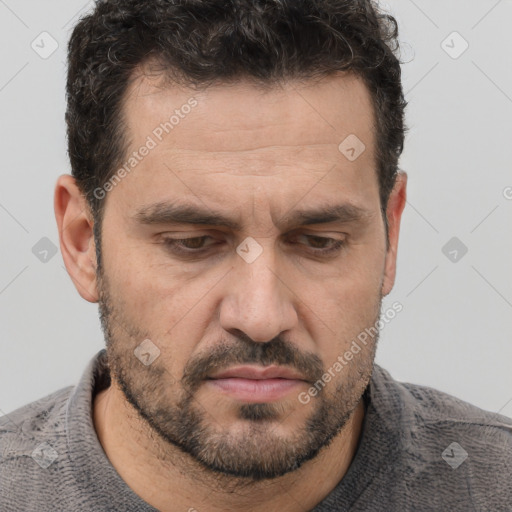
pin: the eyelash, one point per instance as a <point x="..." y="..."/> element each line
<point x="173" y="244"/>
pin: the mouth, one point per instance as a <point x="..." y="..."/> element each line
<point x="253" y="384"/>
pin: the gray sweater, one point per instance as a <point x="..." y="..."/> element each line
<point x="420" y="450"/>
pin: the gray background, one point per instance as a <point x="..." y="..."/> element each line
<point x="454" y="332"/>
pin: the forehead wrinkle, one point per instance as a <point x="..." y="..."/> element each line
<point x="251" y="162"/>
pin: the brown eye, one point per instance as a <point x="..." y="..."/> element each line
<point x="319" y="242"/>
<point x="323" y="245"/>
<point x="193" y="243"/>
<point x="186" y="245"/>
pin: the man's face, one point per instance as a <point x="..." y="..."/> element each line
<point x="270" y="290"/>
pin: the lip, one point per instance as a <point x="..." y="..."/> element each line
<point x="252" y="384"/>
<point x="258" y="373"/>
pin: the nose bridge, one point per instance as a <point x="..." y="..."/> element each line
<point x="259" y="271"/>
<point x="258" y="303"/>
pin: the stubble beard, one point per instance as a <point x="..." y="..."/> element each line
<point x="253" y="453"/>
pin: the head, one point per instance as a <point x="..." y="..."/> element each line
<point x="235" y="199"/>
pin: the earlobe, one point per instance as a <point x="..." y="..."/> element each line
<point x="395" y="207"/>
<point x="76" y="236"/>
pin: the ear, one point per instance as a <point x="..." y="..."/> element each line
<point x="394" y="209"/>
<point x="76" y="236"/>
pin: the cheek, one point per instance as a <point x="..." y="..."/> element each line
<point x="174" y="306"/>
<point x="152" y="289"/>
<point x="347" y="304"/>
<point x="348" y="308"/>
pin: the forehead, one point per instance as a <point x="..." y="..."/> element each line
<point x="265" y="147"/>
<point x="243" y="116"/>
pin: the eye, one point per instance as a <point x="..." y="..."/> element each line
<point x="319" y="245"/>
<point x="186" y="245"/>
<point x="323" y="245"/>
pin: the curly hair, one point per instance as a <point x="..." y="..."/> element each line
<point x="201" y="42"/>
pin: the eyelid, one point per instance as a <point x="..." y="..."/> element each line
<point x="173" y="245"/>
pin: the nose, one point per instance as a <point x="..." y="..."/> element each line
<point x="258" y="300"/>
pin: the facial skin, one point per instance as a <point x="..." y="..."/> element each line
<point x="256" y="157"/>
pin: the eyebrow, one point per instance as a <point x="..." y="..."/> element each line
<point x="175" y="213"/>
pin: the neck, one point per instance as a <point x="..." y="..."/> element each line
<point x="176" y="481"/>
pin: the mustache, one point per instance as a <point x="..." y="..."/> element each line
<point x="246" y="351"/>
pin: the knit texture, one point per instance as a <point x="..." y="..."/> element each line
<point x="51" y="459"/>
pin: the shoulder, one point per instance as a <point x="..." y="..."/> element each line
<point x="32" y="438"/>
<point x="437" y="430"/>
<point x="35" y="418"/>
<point x="425" y="407"/>
<point x="436" y="451"/>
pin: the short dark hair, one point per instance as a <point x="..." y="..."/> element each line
<point x="202" y="42"/>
